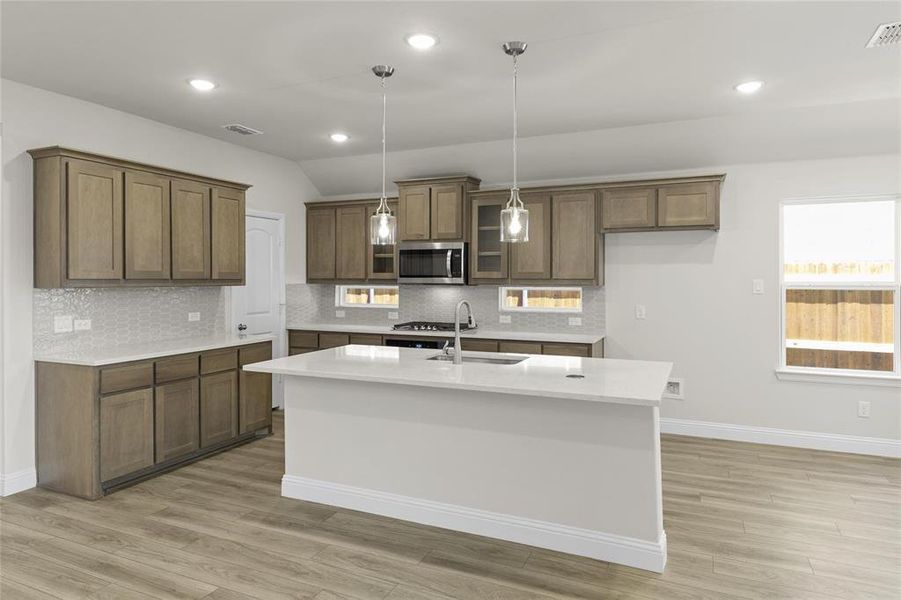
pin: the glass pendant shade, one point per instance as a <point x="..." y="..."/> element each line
<point x="382" y="228"/>
<point x="514" y="221"/>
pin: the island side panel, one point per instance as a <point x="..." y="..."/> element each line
<point x="589" y="468"/>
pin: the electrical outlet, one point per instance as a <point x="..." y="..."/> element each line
<point x="62" y="324"/>
<point x="193" y="316"/>
<point x="757" y="286"/>
<point x="339" y="314"/>
<point x="675" y="389"/>
<point x="505" y="319"/>
<point x="575" y="321"/>
<point x="863" y="409"/>
<point x="393" y="316"/>
<point x="82" y="324"/>
<point x="640" y="311"/>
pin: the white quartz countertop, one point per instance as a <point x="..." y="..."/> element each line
<point x="633" y="382"/>
<point x="580" y="337"/>
<point x="143" y="351"/>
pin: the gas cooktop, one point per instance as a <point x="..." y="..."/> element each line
<point x="429" y="326"/>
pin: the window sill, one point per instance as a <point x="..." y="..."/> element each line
<point x="824" y="376"/>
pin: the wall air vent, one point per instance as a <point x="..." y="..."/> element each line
<point x="886" y="34"/>
<point x="242" y="129"/>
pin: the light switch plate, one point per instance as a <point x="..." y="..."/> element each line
<point x="193" y="316"/>
<point x="575" y="321"/>
<point x="62" y="323"/>
<point x="505" y="319"/>
<point x="82" y="324"/>
<point x="339" y="314"/>
<point x="757" y="286"/>
<point x="393" y="316"/>
<point x="640" y="311"/>
<point x="863" y="409"/>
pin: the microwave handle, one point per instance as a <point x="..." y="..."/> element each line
<point x="450" y="254"/>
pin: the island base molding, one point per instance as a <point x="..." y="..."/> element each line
<point x="552" y="536"/>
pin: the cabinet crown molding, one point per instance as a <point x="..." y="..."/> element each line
<point x="463" y="178"/>
<point x="603" y="185"/>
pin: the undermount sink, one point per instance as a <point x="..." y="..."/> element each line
<point x="503" y="359"/>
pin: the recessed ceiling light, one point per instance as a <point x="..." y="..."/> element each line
<point x="749" y="87"/>
<point x="422" y="41"/>
<point x="203" y="85"/>
<point x="339" y="137"/>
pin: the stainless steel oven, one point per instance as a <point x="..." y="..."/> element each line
<point x="432" y="262"/>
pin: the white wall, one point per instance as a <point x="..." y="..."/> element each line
<point x="33" y="118"/>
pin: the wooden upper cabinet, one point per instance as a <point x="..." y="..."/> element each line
<point x="629" y="208"/>
<point x="414" y="213"/>
<point x="227" y="234"/>
<point x="103" y="221"/>
<point x="688" y="205"/>
<point x="146" y="226"/>
<point x="532" y="259"/>
<point x="321" y="243"/>
<point x="350" y="242"/>
<point x="190" y="230"/>
<point x="447" y="212"/>
<point x="574" y="235"/>
<point x="126" y="433"/>
<point x="488" y="255"/>
<point x="94" y="221"/>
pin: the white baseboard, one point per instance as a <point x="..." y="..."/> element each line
<point x="583" y="542"/>
<point x="783" y="437"/>
<point x="13" y="483"/>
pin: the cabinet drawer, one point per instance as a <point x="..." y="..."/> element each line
<point x="126" y="377"/>
<point x="254" y="353"/>
<point x="220" y="360"/>
<point x="333" y="340"/>
<point x="567" y="350"/>
<point x="292" y="351"/>
<point x="303" y="339"/>
<point x="366" y="339"/>
<point x="178" y="367"/>
<point x="521" y="347"/>
<point x="479" y="345"/>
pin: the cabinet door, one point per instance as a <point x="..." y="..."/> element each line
<point x="255" y="398"/>
<point x="489" y="256"/>
<point x="574" y="233"/>
<point x="321" y="243"/>
<point x="227" y="234"/>
<point x="629" y="208"/>
<point x="521" y="347"/>
<point x="532" y="259"/>
<point x="382" y="258"/>
<point x="190" y="230"/>
<point x="447" y="212"/>
<point x="414" y="213"/>
<point x="177" y="419"/>
<point x="350" y="242"/>
<point x="218" y="408"/>
<point x="146" y="226"/>
<point x="567" y="350"/>
<point x="688" y="205"/>
<point x="126" y="433"/>
<point x="94" y="221"/>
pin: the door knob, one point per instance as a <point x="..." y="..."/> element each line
<point x="241" y="326"/>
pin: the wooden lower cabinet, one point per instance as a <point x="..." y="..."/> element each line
<point x="255" y="396"/>
<point x="177" y="419"/>
<point x="479" y="345"/>
<point x="566" y="349"/>
<point x="126" y="433"/>
<point x="520" y="347"/>
<point x="218" y="408"/>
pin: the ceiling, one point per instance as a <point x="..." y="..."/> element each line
<point x="299" y="71"/>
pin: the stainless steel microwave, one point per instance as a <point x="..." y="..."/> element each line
<point x="432" y="262"/>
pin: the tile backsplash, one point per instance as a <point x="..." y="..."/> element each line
<point x="123" y="316"/>
<point x="315" y="303"/>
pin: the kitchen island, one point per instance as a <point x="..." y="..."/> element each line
<point x="551" y="451"/>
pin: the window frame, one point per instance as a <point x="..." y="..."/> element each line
<point x="852" y="376"/>
<point x="340" y="293"/>
<point x="502" y="293"/>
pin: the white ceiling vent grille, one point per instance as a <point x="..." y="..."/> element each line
<point x="242" y="129"/>
<point x="886" y="35"/>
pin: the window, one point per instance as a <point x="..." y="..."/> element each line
<point x="367" y="296"/>
<point x="840" y="286"/>
<point x="540" y="299"/>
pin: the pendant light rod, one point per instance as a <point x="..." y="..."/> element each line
<point x="383" y="72"/>
<point x="514" y="49"/>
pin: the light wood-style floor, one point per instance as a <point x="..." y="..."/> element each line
<point x="744" y="522"/>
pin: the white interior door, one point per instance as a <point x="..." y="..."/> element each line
<point x="258" y="306"/>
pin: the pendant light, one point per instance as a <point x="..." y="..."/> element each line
<point x="514" y="217"/>
<point x="383" y="225"/>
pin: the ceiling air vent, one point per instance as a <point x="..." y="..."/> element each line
<point x="242" y="129"/>
<point x="886" y="35"/>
